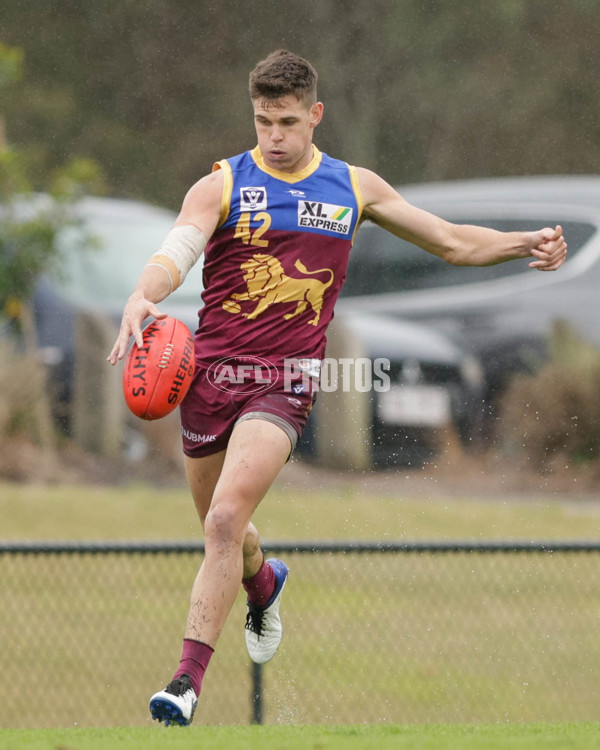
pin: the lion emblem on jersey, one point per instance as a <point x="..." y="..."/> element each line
<point x="268" y="284"/>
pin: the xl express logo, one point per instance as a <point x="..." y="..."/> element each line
<point x="324" y="216"/>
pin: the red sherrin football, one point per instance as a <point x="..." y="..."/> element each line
<point x="158" y="375"/>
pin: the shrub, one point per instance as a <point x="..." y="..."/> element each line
<point x="21" y="388"/>
<point x="552" y="419"/>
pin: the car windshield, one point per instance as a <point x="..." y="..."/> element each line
<point x="381" y="263"/>
<point x="123" y="237"/>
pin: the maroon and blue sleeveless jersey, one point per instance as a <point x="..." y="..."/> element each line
<point x="275" y="264"/>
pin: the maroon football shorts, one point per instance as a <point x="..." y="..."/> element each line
<point x="210" y="412"/>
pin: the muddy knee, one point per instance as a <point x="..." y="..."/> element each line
<point x="251" y="545"/>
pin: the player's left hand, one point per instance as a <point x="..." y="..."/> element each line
<point x="549" y="248"/>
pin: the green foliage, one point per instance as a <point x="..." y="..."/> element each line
<point x="414" y="89"/>
<point x="29" y="228"/>
<point x="80" y="176"/>
<point x="551" y="420"/>
<point x="11" y="64"/>
<point x="12" y="176"/>
<point x="30" y="224"/>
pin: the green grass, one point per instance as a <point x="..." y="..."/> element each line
<point x="291" y="511"/>
<point x="443" y="623"/>
<point x="411" y="638"/>
<point x="585" y="736"/>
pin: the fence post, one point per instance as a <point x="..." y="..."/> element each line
<point x="257" y="694"/>
<point x="343" y="416"/>
<point x="98" y="412"/>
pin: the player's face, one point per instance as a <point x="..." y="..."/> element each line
<point x="285" y="131"/>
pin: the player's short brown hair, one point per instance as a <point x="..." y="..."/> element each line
<point x="283" y="73"/>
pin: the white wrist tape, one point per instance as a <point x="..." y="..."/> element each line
<point x="179" y="252"/>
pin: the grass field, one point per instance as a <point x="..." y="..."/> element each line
<point x="292" y="510"/>
<point x="507" y="601"/>
<point x="584" y="736"/>
<point x="380" y="639"/>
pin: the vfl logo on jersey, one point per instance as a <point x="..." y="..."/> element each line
<point x="253" y="199"/>
<point x="324" y="216"/>
<point x="268" y="284"/>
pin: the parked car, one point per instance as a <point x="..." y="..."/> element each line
<point x="98" y="279"/>
<point x="406" y="386"/>
<point x="503" y="313"/>
<point x="432" y="380"/>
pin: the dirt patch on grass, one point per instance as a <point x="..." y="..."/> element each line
<point x="481" y="476"/>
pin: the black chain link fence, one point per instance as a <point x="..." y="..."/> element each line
<point x="372" y="633"/>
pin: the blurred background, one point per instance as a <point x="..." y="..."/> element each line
<point x="107" y="103"/>
<point x="110" y="111"/>
<point x="156" y="91"/>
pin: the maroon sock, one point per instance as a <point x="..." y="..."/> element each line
<point x="194" y="661"/>
<point x="261" y="586"/>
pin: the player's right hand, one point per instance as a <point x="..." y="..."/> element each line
<point x="136" y="310"/>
